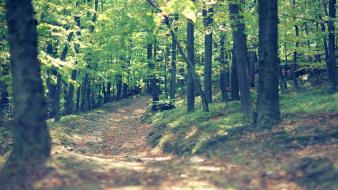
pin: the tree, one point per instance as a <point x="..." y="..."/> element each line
<point x="240" y="47"/>
<point x="31" y="140"/>
<point x="331" y="64"/>
<point x="191" y="57"/>
<point x="207" y="20"/>
<point x="268" y="111"/>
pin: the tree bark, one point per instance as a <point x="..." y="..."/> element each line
<point x="207" y="21"/>
<point x="31" y="140"/>
<point x="224" y="72"/>
<point x="234" y="78"/>
<point x="240" y="46"/>
<point x="295" y="54"/>
<point x="331" y="66"/>
<point x="268" y="108"/>
<point x="191" y="57"/>
<point x="173" y="68"/>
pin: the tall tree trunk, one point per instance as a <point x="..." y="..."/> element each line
<point x="295" y="54"/>
<point x="167" y="60"/>
<point x="268" y="108"/>
<point x="69" y="102"/>
<point x="31" y="140"/>
<point x="59" y="80"/>
<point x="4" y="95"/>
<point x="234" y="78"/>
<point x="155" y="81"/>
<point x="173" y="66"/>
<point x="252" y="67"/>
<point x="191" y="57"/>
<point x="224" y="72"/>
<point x="331" y="66"/>
<point x="207" y="20"/>
<point x="119" y="87"/>
<point x="241" y="55"/>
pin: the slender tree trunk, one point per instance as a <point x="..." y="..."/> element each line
<point x="4" y="94"/>
<point x="331" y="66"/>
<point x="155" y="81"/>
<point x="119" y="87"/>
<point x="240" y="47"/>
<point x="191" y="57"/>
<point x="78" y="94"/>
<point x="59" y="80"/>
<point x="295" y="54"/>
<point x="167" y="60"/>
<point x="31" y="140"/>
<point x="224" y="73"/>
<point x="252" y="67"/>
<point x="173" y="67"/>
<point x="268" y="108"/>
<point x="108" y="96"/>
<point x="69" y="102"/>
<point x="207" y="20"/>
<point x="234" y="78"/>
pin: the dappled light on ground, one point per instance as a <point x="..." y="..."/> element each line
<point x="112" y="148"/>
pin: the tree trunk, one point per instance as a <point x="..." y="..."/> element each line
<point x="224" y="73"/>
<point x="234" y="78"/>
<point x="331" y="66"/>
<point x="268" y="108"/>
<point x="173" y="68"/>
<point x="31" y="140"/>
<point x="207" y="20"/>
<point x="241" y="55"/>
<point x="191" y="57"/>
<point x="119" y="87"/>
<point x="252" y="67"/>
<point x="295" y="54"/>
<point x="69" y="102"/>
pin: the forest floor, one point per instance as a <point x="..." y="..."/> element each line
<point x="110" y="149"/>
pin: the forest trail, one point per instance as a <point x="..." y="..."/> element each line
<point x="116" y="155"/>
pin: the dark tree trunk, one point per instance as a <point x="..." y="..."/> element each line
<point x="234" y="78"/>
<point x="31" y="140"/>
<point x="167" y="60"/>
<point x="326" y="51"/>
<point x="118" y="87"/>
<point x="84" y="86"/>
<point x="69" y="102"/>
<point x="78" y="94"/>
<point x="331" y="64"/>
<point x="173" y="68"/>
<point x="224" y="72"/>
<point x="207" y="20"/>
<point x="241" y="55"/>
<point x="268" y="108"/>
<point x="295" y="54"/>
<point x="252" y="67"/>
<point x="4" y="94"/>
<point x="59" y="81"/>
<point x="108" y="95"/>
<point x="191" y="57"/>
<point x="155" y="81"/>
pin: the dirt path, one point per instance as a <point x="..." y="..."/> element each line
<point x="115" y="155"/>
<point x="107" y="149"/>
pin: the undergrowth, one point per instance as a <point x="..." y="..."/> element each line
<point x="185" y="133"/>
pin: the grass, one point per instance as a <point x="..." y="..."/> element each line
<point x="189" y="133"/>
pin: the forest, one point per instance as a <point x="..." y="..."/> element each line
<point x="168" y="95"/>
